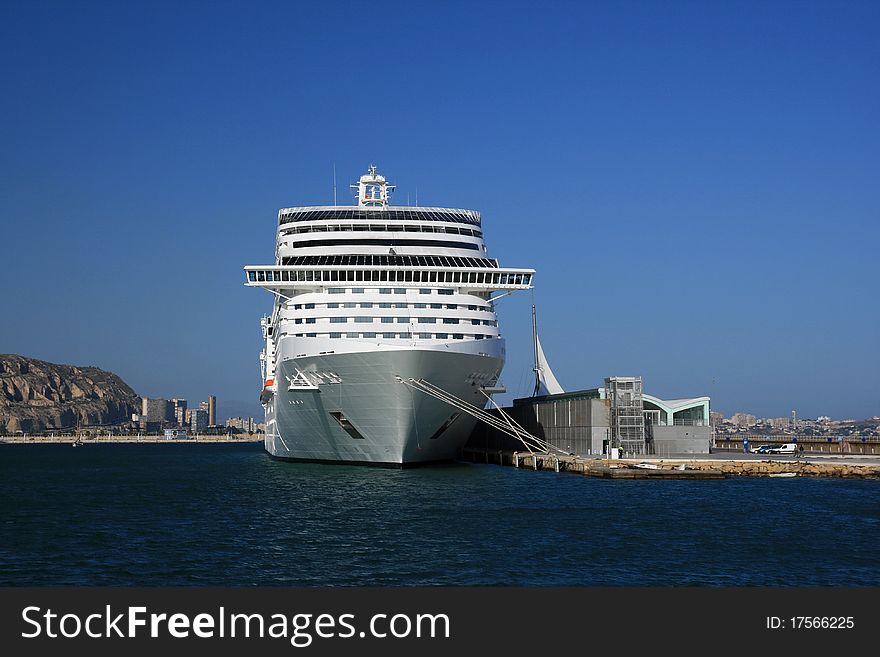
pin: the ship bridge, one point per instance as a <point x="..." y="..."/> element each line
<point x="309" y="277"/>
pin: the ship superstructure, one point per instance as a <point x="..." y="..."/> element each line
<point x="366" y="296"/>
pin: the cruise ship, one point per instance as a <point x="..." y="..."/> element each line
<point x="368" y="297"/>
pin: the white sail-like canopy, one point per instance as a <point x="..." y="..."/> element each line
<point x="548" y="383"/>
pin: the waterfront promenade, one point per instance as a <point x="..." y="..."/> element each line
<point x="850" y="444"/>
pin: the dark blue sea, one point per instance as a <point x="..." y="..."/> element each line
<point x="179" y="514"/>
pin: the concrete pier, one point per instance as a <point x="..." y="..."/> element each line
<point x="705" y="467"/>
<point x="590" y="467"/>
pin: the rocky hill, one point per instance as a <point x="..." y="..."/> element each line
<point x="36" y="396"/>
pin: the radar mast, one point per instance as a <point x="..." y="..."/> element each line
<point x="373" y="190"/>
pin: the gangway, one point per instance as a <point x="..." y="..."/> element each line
<point x="505" y="423"/>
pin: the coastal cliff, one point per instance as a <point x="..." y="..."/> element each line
<point x="36" y="396"/>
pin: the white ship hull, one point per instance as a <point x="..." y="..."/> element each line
<point x="383" y="421"/>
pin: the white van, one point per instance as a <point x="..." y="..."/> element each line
<point x="787" y="448"/>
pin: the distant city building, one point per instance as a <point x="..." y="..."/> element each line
<point x="198" y="420"/>
<point x="156" y="410"/>
<point x="212" y="411"/>
<point x="179" y="408"/>
<point x="244" y="425"/>
<point x="716" y="418"/>
<point x="823" y="418"/>
<point x="744" y="420"/>
<point x="780" y="422"/>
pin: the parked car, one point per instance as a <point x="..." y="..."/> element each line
<point x="764" y="449"/>
<point x="787" y="448"/>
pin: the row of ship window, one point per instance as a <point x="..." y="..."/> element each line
<point x="383" y="228"/>
<point x="383" y="260"/>
<point x="436" y="306"/>
<point x="397" y="336"/>
<point x="458" y="217"/>
<point x="399" y="320"/>
<point x="393" y="276"/>
<point x="372" y="241"/>
<point x="386" y="290"/>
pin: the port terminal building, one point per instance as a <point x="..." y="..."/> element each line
<point x="618" y="415"/>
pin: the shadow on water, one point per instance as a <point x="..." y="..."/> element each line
<point x="230" y="515"/>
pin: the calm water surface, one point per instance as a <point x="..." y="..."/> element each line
<point x="229" y="515"/>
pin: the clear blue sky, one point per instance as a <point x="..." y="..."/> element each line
<point x="695" y="182"/>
